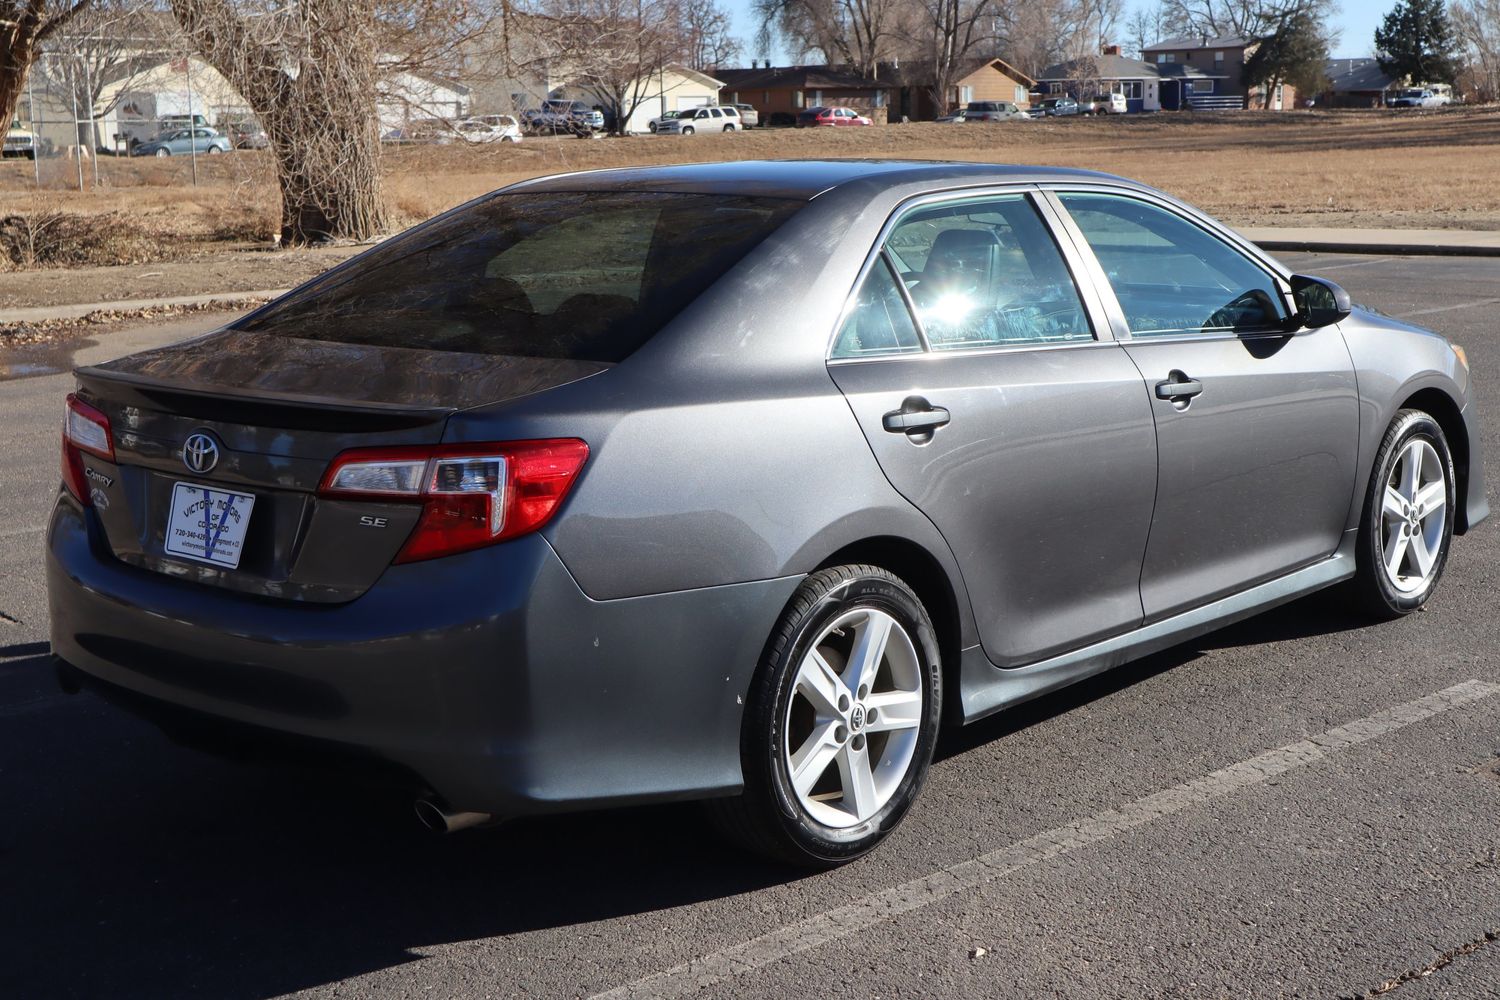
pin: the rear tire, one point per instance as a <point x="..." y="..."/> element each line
<point x="1406" y="527"/>
<point x="840" y="723"/>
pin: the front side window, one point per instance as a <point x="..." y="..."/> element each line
<point x="987" y="273"/>
<point x="1172" y="277"/>
<point x="577" y="275"/>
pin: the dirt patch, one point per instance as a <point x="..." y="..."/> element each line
<point x="1330" y="169"/>
<point x="221" y="271"/>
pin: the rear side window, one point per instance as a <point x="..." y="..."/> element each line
<point x="586" y="276"/>
<point x="879" y="323"/>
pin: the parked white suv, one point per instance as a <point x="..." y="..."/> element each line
<point x="709" y="119"/>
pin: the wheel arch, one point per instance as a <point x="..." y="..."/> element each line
<point x="1445" y="410"/>
<point x="925" y="574"/>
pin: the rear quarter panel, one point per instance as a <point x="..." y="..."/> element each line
<point x="722" y="452"/>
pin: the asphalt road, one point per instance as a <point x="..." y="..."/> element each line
<point x="1302" y="805"/>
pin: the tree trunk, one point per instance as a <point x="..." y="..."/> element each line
<point x="311" y="79"/>
<point x="17" y="52"/>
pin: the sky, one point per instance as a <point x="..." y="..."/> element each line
<point x="1355" y="22"/>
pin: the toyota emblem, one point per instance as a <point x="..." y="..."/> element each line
<point x="200" y="453"/>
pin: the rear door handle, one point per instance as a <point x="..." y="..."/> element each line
<point x="1178" y="388"/>
<point x="916" y="416"/>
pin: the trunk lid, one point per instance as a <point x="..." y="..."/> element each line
<point x="277" y="410"/>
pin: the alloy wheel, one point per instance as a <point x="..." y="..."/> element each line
<point x="1413" y="514"/>
<point x="853" y="717"/>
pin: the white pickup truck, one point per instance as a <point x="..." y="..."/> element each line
<point x="20" y="141"/>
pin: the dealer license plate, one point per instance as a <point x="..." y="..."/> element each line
<point x="208" y="525"/>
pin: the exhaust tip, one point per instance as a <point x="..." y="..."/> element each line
<point x="437" y="817"/>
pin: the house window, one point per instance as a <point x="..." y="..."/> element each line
<point x="1133" y="90"/>
<point x="1203" y="86"/>
<point x="1021" y="95"/>
<point x="1166" y="57"/>
<point x="965" y="95"/>
<point x="1219" y="58"/>
<point x="799" y="100"/>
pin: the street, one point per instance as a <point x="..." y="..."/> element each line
<point x="1302" y="805"/>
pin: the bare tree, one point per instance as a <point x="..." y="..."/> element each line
<point x="854" y="33"/>
<point x="103" y="50"/>
<point x="1145" y="27"/>
<point x="1477" y="25"/>
<point x="1043" y="33"/>
<point x="308" y="69"/>
<point x="706" y="40"/>
<point x="613" y="50"/>
<point x="24" y="26"/>
<point x="1244" y="18"/>
<point x="953" y="30"/>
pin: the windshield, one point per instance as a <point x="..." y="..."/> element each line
<point x="586" y="275"/>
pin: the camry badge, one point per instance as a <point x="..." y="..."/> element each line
<point x="200" y="453"/>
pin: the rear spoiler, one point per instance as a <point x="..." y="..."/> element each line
<point x="258" y="407"/>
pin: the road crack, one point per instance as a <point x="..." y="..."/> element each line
<point x="1445" y="959"/>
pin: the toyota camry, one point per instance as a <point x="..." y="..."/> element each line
<point x="736" y="482"/>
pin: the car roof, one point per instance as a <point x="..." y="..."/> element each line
<point x="801" y="179"/>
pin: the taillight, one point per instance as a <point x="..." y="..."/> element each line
<point x="85" y="429"/>
<point x="472" y="495"/>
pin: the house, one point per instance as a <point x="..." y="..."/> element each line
<point x="1356" y="83"/>
<point x="785" y="90"/>
<point x="1107" y="73"/>
<point x="978" y="80"/>
<point x="1205" y="73"/>
<point x="674" y="87"/>
<point x="404" y="96"/>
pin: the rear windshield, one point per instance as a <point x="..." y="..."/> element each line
<point x="585" y="276"/>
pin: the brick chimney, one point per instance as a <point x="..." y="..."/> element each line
<point x="1110" y="50"/>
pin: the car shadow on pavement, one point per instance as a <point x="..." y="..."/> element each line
<point x="136" y="868"/>
<point x="1323" y="613"/>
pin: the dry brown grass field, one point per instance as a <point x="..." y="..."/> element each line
<point x="1329" y="169"/>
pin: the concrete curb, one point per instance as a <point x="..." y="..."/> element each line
<point x="1381" y="242"/>
<point x="36" y="314"/>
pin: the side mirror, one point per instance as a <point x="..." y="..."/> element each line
<point x="1320" y="302"/>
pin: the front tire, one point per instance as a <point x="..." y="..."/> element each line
<point x="841" y="721"/>
<point x="163" y="152"/>
<point x="687" y="130"/>
<point x="1407" y="525"/>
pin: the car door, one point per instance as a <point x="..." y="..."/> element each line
<point x="969" y="357"/>
<point x="1257" y="427"/>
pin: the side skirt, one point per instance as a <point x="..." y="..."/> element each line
<point x="986" y="688"/>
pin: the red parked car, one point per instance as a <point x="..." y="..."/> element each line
<point x="830" y="116"/>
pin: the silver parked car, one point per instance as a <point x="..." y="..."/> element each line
<point x="550" y="505"/>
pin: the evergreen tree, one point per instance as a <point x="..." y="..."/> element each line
<point x="1296" y="52"/>
<point x="1416" y="41"/>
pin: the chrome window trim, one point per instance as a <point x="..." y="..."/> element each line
<point x="933" y="356"/>
<point x="1277" y="272"/>
<point x="1089" y="296"/>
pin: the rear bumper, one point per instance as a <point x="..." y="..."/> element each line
<point x="489" y="675"/>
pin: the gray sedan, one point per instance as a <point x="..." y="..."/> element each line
<point x="737" y="481"/>
<point x="185" y="142"/>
